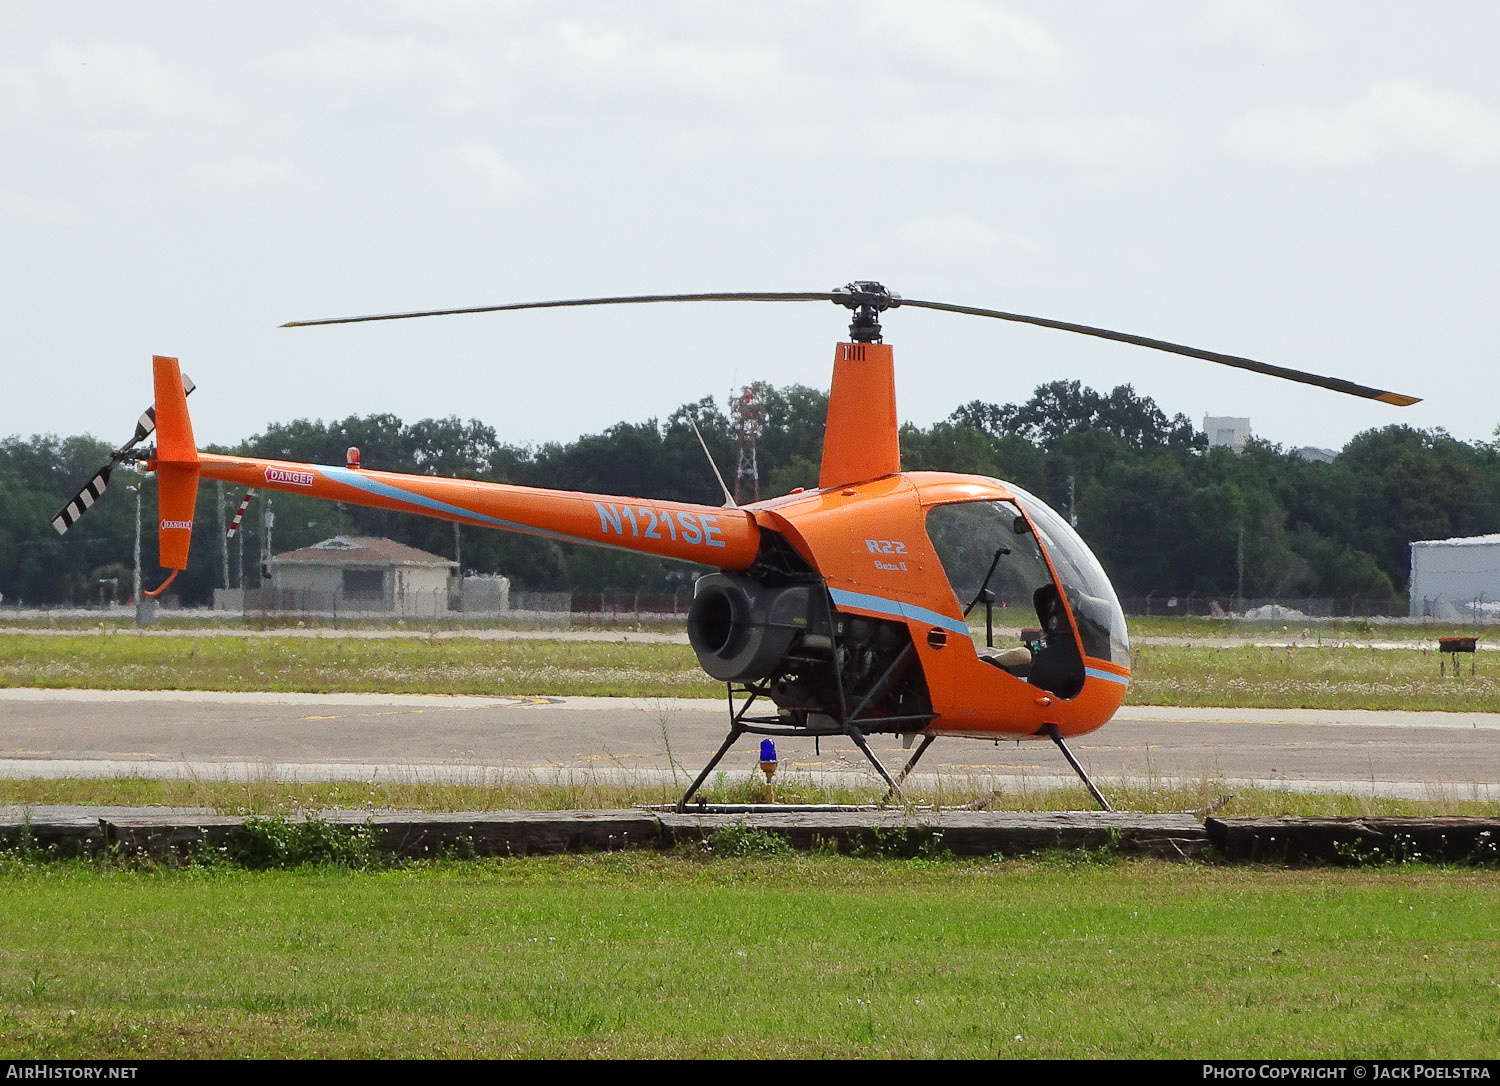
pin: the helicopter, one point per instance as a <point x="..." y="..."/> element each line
<point x="837" y="610"/>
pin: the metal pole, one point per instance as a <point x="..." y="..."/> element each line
<point x="223" y="539"/>
<point x="136" y="593"/>
<point x="1239" y="566"/>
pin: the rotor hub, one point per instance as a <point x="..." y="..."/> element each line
<point x="868" y="300"/>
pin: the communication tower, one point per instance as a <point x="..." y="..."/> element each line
<point x="747" y="410"/>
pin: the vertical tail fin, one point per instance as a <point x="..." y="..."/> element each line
<point x="176" y="465"/>
<point x="861" y="440"/>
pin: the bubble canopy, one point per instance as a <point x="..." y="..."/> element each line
<point x="976" y="540"/>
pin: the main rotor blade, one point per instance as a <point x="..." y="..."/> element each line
<point x="1335" y="383"/>
<point x="821" y="296"/>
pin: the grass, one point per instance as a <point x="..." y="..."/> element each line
<point x="411" y="665"/>
<point x="1328" y="677"/>
<point x="1307" y="630"/>
<point x="268" y="797"/>
<point x="1347" y="677"/>
<point x="645" y="955"/>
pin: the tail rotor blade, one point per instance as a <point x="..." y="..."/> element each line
<point x="145" y="426"/>
<point x="83" y="501"/>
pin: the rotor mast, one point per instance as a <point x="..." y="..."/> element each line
<point x="861" y="439"/>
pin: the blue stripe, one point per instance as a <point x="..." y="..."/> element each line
<point x="898" y="609"/>
<point x="360" y="481"/>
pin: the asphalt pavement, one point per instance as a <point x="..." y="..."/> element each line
<point x="62" y="733"/>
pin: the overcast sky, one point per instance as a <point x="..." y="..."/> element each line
<point x="1314" y="185"/>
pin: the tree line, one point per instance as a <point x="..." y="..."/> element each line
<point x="1163" y="511"/>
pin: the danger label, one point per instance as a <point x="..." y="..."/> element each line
<point x="285" y="475"/>
<point x="169" y="524"/>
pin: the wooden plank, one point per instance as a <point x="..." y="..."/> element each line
<point x="1356" y="840"/>
<point x="963" y="833"/>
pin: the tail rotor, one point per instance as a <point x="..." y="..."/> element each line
<point x="92" y="490"/>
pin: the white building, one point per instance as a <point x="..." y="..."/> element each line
<point x="362" y="573"/>
<point x="1455" y="578"/>
<point x="1224" y="430"/>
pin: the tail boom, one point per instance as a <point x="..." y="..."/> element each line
<point x="710" y="535"/>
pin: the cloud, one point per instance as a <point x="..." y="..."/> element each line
<point x="962" y="237"/>
<point x="498" y="176"/>
<point x="20" y="96"/>
<point x="951" y="136"/>
<point x="1395" y="119"/>
<point x="623" y="60"/>
<point x="966" y="37"/>
<point x="36" y="210"/>
<point x="239" y="174"/>
<point x="350" y="69"/>
<point x="121" y="83"/>
<point x="1262" y="26"/>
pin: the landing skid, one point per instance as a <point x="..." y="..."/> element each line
<point x="1051" y="732"/>
<point x="740" y="723"/>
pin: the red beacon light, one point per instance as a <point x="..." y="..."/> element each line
<point x="351" y="458"/>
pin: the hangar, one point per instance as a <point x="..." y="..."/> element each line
<point x="1455" y="578"/>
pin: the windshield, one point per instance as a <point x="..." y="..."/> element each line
<point x="1101" y="623"/>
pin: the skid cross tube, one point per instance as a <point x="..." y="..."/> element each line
<point x="1051" y="732"/>
<point x="927" y="741"/>
<point x="859" y="740"/>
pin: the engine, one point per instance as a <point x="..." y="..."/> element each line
<point x="786" y="642"/>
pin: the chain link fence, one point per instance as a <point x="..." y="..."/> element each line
<point x="1475" y="610"/>
<point x="1264" y="607"/>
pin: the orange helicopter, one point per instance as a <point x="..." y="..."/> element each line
<point x="841" y="610"/>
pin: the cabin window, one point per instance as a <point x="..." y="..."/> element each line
<point x="972" y="537"/>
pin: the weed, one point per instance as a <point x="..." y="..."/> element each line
<point x="1358" y="854"/>
<point x="903" y="842"/>
<point x="1486" y="851"/>
<point x="1104" y="854"/>
<point x="663" y="718"/>
<point x="327" y="1017"/>
<point x="741" y="839"/>
<point x="280" y="842"/>
<point x="36" y="985"/>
